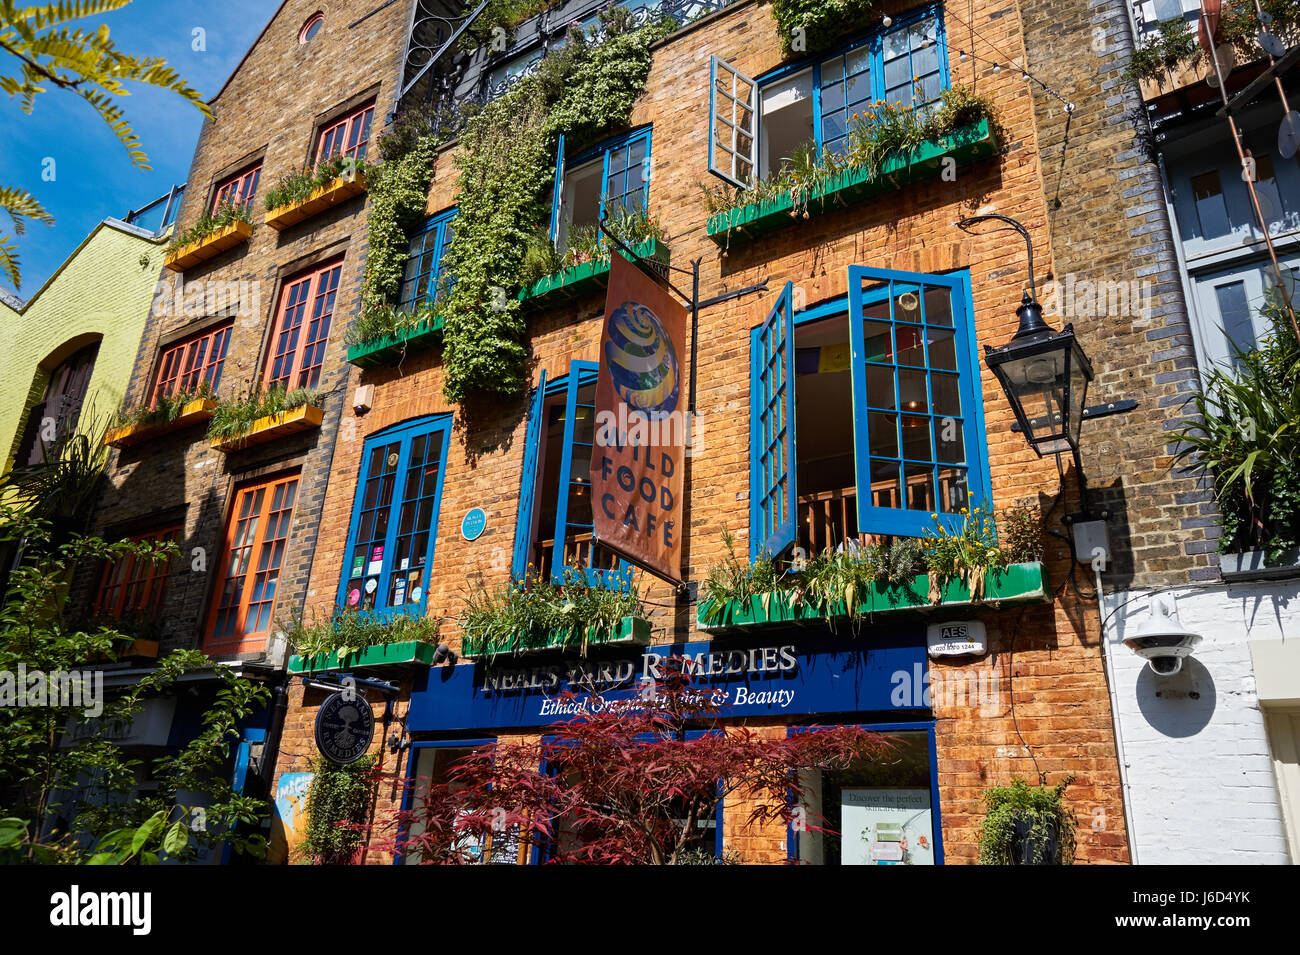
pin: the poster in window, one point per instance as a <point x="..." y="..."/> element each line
<point x="641" y="423"/>
<point x="886" y="827"/>
<point x="376" y="560"/>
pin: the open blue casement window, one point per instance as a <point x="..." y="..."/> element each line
<point x="773" y="495"/>
<point x="816" y="101"/>
<point x="395" y="518"/>
<point x="554" y="538"/>
<point x="424" y="261"/>
<point x="883" y="412"/>
<point x="918" y="417"/>
<point x="611" y="177"/>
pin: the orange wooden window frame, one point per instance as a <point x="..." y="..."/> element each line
<point x="131" y="584"/>
<point x="252" y="555"/>
<point x="346" y="136"/>
<point x="296" y="353"/>
<point x="237" y="190"/>
<point x="192" y="360"/>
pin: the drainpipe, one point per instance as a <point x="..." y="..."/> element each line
<point x="1120" y="753"/>
<point x="274" y="729"/>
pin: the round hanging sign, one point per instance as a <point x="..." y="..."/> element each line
<point x="473" y="524"/>
<point x="345" y="728"/>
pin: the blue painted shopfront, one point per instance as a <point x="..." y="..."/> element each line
<point x="880" y="672"/>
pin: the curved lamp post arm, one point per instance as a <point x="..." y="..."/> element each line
<point x="966" y="223"/>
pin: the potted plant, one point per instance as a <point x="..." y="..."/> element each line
<point x="1027" y="825"/>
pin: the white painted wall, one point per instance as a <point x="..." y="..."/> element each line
<point x="1195" y="746"/>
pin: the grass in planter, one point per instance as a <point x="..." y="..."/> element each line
<point x="836" y="582"/>
<point x="168" y="408"/>
<point x="209" y="223"/>
<point x="586" y="243"/>
<point x="296" y="186"/>
<point x="234" y="419"/>
<point x="734" y="579"/>
<point x="515" y="616"/>
<point x="1020" y="534"/>
<point x="380" y="321"/>
<point x="347" y="631"/>
<point x="879" y="133"/>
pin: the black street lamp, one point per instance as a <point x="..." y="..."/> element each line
<point x="1044" y="373"/>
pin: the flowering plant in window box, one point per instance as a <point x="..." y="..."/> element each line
<point x="227" y="227"/>
<point x="585" y="258"/>
<point x="134" y="425"/>
<point x="300" y="195"/>
<point x="265" y="415"/>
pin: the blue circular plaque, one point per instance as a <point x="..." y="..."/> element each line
<point x="345" y="728"/>
<point x="473" y="524"/>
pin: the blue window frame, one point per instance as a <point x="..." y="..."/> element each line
<point x="907" y="357"/>
<point x="394" y="523"/>
<point x="815" y="101"/>
<point x="424" y="261"/>
<point x="609" y="177"/>
<point x="797" y="847"/>
<point x="773" y="501"/>
<point x="554" y="537"/>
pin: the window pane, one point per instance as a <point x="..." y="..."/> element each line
<point x="1211" y="212"/>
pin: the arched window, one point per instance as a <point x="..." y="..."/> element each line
<point x="311" y="28"/>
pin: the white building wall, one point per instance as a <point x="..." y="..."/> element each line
<point x="1201" y="788"/>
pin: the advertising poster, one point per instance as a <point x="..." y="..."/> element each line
<point x="886" y="827"/>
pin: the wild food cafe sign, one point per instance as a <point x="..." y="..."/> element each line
<point x="774" y="679"/>
<point x="641" y="427"/>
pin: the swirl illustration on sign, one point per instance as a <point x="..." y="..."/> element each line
<point x="641" y="360"/>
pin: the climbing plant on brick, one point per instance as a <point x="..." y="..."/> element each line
<point x="506" y="164"/>
<point x="810" y="25"/>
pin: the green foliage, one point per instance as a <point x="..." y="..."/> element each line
<point x="1243" y="432"/>
<point x="209" y="223"/>
<point x="809" y="26"/>
<point x="398" y="193"/>
<point x="168" y="408"/>
<point x="63" y="488"/>
<point x="836" y="582"/>
<point x="1043" y="810"/>
<point x="1020" y="532"/>
<point x="515" y="616"/>
<point x="734" y="579"/>
<point x="87" y="64"/>
<point x="1163" y="52"/>
<point x="586" y="243"/>
<point x="506" y="165"/>
<point x="34" y="740"/>
<point x="337" y="800"/>
<point x="234" y="419"/>
<point x="380" y="321"/>
<point x="347" y="631"/>
<point x="879" y="133"/>
<point x="294" y="187"/>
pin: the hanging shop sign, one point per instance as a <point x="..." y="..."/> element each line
<point x="781" y="678"/>
<point x="345" y="727"/>
<point x="637" y="464"/>
<point x="956" y="638"/>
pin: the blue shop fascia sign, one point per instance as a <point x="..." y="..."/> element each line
<point x="884" y="674"/>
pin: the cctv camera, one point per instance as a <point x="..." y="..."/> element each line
<point x="1161" y="639"/>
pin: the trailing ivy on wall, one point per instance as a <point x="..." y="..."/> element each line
<point x="397" y="199"/>
<point x="808" y="26"/>
<point x="338" y="794"/>
<point x="506" y="164"/>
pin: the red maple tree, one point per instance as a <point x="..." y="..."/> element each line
<point x="626" y="781"/>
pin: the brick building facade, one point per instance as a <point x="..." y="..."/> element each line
<point x="241" y="317"/>
<point x="1052" y="713"/>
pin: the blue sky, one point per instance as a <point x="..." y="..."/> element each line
<point x="94" y="177"/>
